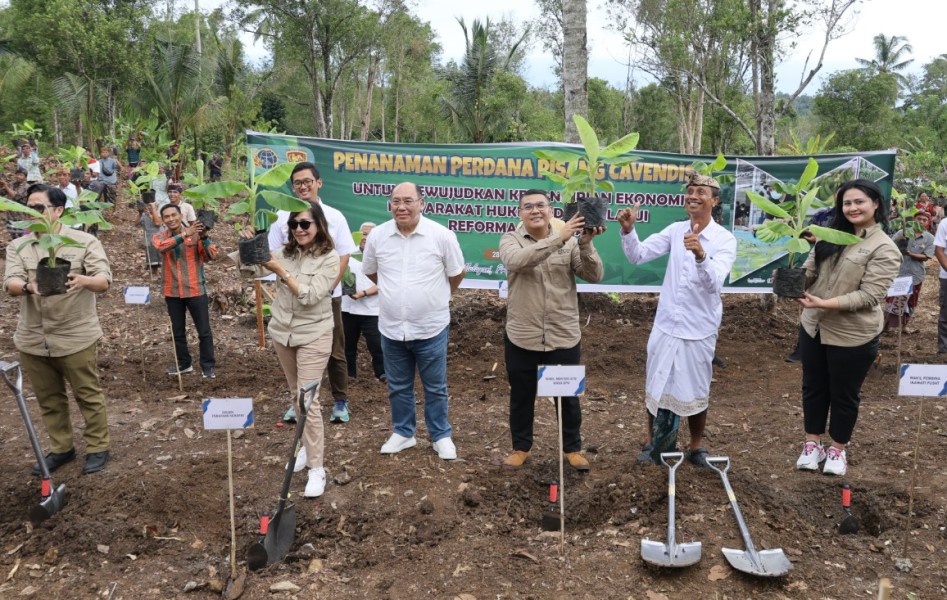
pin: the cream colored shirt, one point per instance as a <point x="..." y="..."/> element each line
<point x="301" y="319"/>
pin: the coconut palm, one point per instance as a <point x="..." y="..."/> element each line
<point x="889" y="52"/>
<point x="177" y="87"/>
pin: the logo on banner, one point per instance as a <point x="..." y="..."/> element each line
<point x="296" y="155"/>
<point x="266" y="158"/>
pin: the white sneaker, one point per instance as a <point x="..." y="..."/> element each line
<point x="396" y="443"/>
<point x="835" y="462"/>
<point x="445" y="449"/>
<point x="301" y="459"/>
<point x="812" y="456"/>
<point x="316" y="486"/>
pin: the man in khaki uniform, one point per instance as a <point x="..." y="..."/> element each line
<point x="57" y="335"/>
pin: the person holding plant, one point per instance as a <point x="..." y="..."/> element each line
<point x="28" y="160"/>
<point x="360" y="315"/>
<point x="57" y="336"/>
<point x="417" y="265"/>
<point x="918" y="250"/>
<point x="542" y="316"/>
<point x="188" y="214"/>
<point x="108" y="173"/>
<point x="301" y="323"/>
<point x="307" y="182"/>
<point x="184" y="250"/>
<point x="684" y="336"/>
<point x="842" y="321"/>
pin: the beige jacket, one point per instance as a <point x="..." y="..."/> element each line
<point x="859" y="279"/>
<point x="542" y="311"/>
<point x="60" y="325"/>
<point x="301" y="319"/>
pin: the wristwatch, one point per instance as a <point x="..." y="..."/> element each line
<point x="26" y="289"/>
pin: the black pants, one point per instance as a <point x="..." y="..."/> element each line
<point x="832" y="378"/>
<point x="521" y="366"/>
<point x="367" y="325"/>
<point x="198" y="307"/>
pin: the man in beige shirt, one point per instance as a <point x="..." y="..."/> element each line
<point x="57" y="335"/>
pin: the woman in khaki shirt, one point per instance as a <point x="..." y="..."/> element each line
<point x="842" y="321"/>
<point x="301" y="323"/>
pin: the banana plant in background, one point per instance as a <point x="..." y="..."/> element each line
<point x="259" y="203"/>
<point x="787" y="230"/>
<point x="74" y="158"/>
<point x="27" y="129"/>
<point x="581" y="181"/>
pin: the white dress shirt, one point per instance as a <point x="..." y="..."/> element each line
<point x="690" y="307"/>
<point x="338" y="229"/>
<point x="940" y="239"/>
<point x="413" y="272"/>
<point x="366" y="305"/>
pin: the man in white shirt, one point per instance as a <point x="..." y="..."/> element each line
<point x="188" y="215"/>
<point x="684" y="335"/>
<point x="940" y="243"/>
<point x="360" y="315"/>
<point x="306" y="182"/>
<point x="417" y="265"/>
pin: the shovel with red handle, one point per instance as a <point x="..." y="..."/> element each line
<point x="53" y="498"/>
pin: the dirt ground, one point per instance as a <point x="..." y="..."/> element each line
<point x="155" y="523"/>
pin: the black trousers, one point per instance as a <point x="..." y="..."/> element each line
<point x="832" y="378"/>
<point x="358" y="325"/>
<point x="521" y="367"/>
<point x="198" y="307"/>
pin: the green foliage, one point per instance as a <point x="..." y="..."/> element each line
<point x="348" y="278"/>
<point x="582" y="171"/>
<point x="791" y="217"/>
<point x="813" y="145"/>
<point x="24" y="130"/>
<point x="860" y="108"/>
<point x="257" y="200"/>
<point x="903" y="215"/>
<point x="73" y="157"/>
<point x="45" y="228"/>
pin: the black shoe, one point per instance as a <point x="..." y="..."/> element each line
<point x="698" y="457"/>
<point x="794" y="358"/>
<point x="55" y="460"/>
<point x="383" y="378"/>
<point x="173" y="371"/>
<point x="718" y="363"/>
<point x="646" y="458"/>
<point x="209" y="373"/>
<point x="95" y="462"/>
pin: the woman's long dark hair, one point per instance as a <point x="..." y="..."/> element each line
<point x="823" y="249"/>
<point x="323" y="241"/>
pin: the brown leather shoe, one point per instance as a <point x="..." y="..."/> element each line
<point x="515" y="460"/>
<point x="577" y="461"/>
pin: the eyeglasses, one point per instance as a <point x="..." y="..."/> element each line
<point x="303" y="183"/>
<point x="531" y="206"/>
<point x="39" y="207"/>
<point x="396" y="202"/>
<point x="294" y="224"/>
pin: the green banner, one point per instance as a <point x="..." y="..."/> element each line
<point x="474" y="190"/>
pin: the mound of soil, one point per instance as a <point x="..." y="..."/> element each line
<point x="155" y="524"/>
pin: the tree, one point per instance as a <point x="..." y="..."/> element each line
<point x="859" y="107"/>
<point x="471" y="83"/>
<point x="888" y="54"/>
<point x="549" y="30"/>
<point x="575" y="65"/>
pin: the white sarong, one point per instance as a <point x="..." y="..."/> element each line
<point x="679" y="373"/>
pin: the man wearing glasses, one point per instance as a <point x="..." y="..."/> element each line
<point x="417" y="265"/>
<point x="306" y="183"/>
<point x="542" y="316"/>
<point x="57" y="335"/>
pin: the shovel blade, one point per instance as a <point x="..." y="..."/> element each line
<point x="279" y="537"/>
<point x="848" y="525"/>
<point x="678" y="555"/>
<point x="256" y="556"/>
<point x="767" y="563"/>
<point x="49" y="506"/>
<point x="551" y="521"/>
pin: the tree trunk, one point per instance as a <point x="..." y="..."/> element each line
<point x="575" y="65"/>
<point x="369" y="92"/>
<point x="766" y="141"/>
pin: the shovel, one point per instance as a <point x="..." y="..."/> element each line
<point x="766" y="563"/>
<point x="54" y="499"/>
<point x="670" y="554"/>
<point x="277" y="532"/>
<point x="552" y="520"/>
<point x="849" y="524"/>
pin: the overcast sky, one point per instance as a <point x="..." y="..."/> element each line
<point x="608" y="55"/>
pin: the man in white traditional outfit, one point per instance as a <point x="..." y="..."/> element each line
<point x="681" y="347"/>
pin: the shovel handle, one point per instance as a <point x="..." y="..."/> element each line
<point x="264" y="523"/>
<point x="15" y="384"/>
<point x="553" y="492"/>
<point x="46" y="487"/>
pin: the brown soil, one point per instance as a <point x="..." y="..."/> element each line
<point x="155" y="523"/>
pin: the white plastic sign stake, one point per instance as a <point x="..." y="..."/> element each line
<point x="560" y="381"/>
<point x="504" y="290"/>
<point x="227" y="413"/>
<point x="137" y="295"/>
<point x="901" y="286"/>
<point x="923" y="380"/>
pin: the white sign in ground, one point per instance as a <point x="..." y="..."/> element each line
<point x="901" y="286"/>
<point x="227" y="413"/>
<point x="137" y="295"/>
<point x="557" y="381"/>
<point x="504" y="290"/>
<point x="923" y="380"/>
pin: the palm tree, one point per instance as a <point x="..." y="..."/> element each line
<point x="467" y="102"/>
<point x="888" y="54"/>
